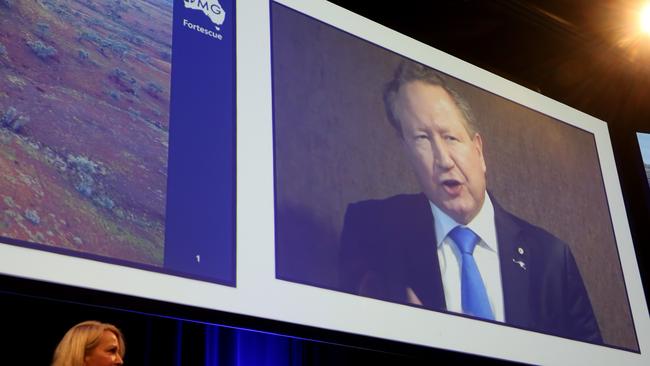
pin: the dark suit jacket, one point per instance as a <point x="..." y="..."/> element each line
<point x="388" y="246"/>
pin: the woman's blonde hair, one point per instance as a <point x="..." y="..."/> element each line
<point x="79" y="340"/>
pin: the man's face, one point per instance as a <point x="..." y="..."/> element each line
<point x="448" y="161"/>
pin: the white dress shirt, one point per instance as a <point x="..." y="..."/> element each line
<point x="486" y="255"/>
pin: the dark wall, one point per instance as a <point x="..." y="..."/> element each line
<point x="33" y="326"/>
<point x="159" y="334"/>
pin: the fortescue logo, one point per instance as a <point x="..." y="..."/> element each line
<point x="211" y="8"/>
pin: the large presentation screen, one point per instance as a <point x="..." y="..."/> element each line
<point x="293" y="161"/>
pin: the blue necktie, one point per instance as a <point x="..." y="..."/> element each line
<point x="473" y="295"/>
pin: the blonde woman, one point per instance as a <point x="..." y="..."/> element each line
<point x="90" y="343"/>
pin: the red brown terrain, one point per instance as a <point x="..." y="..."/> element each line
<point x="84" y="121"/>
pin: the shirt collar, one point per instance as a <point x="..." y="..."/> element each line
<point x="482" y="224"/>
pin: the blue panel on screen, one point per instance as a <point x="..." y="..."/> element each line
<point x="200" y="201"/>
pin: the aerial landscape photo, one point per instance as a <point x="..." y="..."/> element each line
<point x="84" y="121"/>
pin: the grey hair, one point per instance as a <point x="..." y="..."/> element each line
<point x="409" y="71"/>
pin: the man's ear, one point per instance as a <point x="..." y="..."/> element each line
<point x="405" y="145"/>
<point x="408" y="152"/>
<point x="402" y="141"/>
<point x="478" y="145"/>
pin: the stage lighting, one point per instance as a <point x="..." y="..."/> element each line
<point x="645" y="18"/>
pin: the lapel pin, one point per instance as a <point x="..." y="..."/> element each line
<point x="520" y="263"/>
<point x="520" y="250"/>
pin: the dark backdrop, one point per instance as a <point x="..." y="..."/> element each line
<point x="34" y="318"/>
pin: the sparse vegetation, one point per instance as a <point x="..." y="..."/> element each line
<point x="9" y="115"/>
<point x="84" y="169"/>
<point x="104" y="201"/>
<point x="104" y="45"/>
<point x="85" y="184"/>
<point x="87" y="175"/>
<point x="122" y="78"/>
<point x="32" y="216"/>
<point x="3" y="50"/>
<point x="144" y="58"/>
<point x="155" y="124"/>
<point x="166" y="55"/>
<point x="135" y="114"/>
<point x="12" y="120"/>
<point x="134" y="39"/>
<point x="88" y="35"/>
<point x="8" y="201"/>
<point x="114" y="94"/>
<point x="114" y="9"/>
<point x="83" y="164"/>
<point x="119" y="74"/>
<point x="42" y="29"/>
<point x="83" y="55"/>
<point x="91" y="5"/>
<point x="61" y="10"/>
<point x="117" y="47"/>
<point x="154" y="89"/>
<point x="95" y="22"/>
<point x="121" y="49"/>
<point x="7" y="3"/>
<point x="42" y="50"/>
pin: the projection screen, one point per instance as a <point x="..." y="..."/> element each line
<point x="242" y="159"/>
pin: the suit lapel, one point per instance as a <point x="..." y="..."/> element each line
<point x="515" y="271"/>
<point x="423" y="270"/>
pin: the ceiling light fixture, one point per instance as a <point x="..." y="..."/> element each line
<point x="645" y="18"/>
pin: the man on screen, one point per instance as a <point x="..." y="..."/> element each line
<point x="452" y="247"/>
